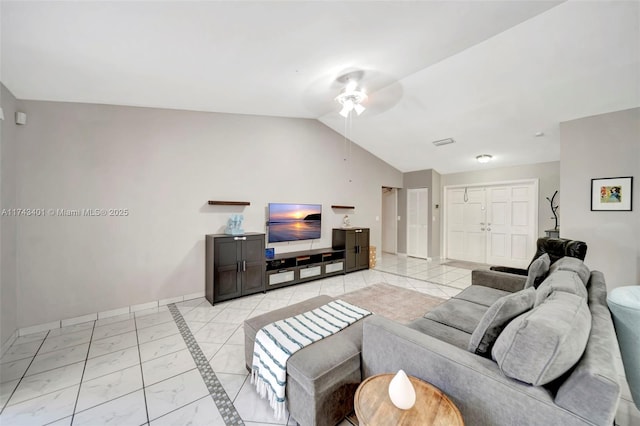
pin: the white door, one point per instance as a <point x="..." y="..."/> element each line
<point x="511" y="224"/>
<point x="389" y="220"/>
<point x="417" y="222"/>
<point x="494" y="224"/>
<point x="466" y="234"/>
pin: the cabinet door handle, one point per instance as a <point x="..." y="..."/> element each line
<point x="244" y="265"/>
<point x="239" y="238"/>
<point x="358" y="230"/>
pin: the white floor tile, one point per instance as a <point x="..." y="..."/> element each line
<point x="233" y="316"/>
<point x="167" y="366"/>
<point x="39" y="337"/>
<point x="113" y="319"/>
<point x="53" y="343"/>
<point x="111" y="386"/>
<point x="70" y="329"/>
<point x="111" y="362"/>
<point x="126" y="410"/>
<point x="229" y="359"/>
<point x="153" y="319"/>
<point x="113" y="344"/>
<point x="161" y="347"/>
<point x="209" y="349"/>
<point x="6" y="389"/>
<point x="41" y="410"/>
<point x="237" y="338"/>
<point x="156" y="332"/>
<point x="203" y="314"/>
<point x="202" y="412"/>
<point x="174" y="393"/>
<point x="14" y="369"/>
<point x="113" y="329"/>
<point x="22" y="351"/>
<point x="252" y="408"/>
<point x="216" y="333"/>
<point x="47" y="382"/>
<point x="61" y="357"/>
<point x="232" y="383"/>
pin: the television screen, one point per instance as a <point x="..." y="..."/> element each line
<point x="292" y="222"/>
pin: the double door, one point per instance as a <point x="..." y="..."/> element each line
<point x="355" y="243"/>
<point x="235" y="266"/>
<point x="494" y="224"/>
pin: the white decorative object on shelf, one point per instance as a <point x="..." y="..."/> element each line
<point x="346" y="222"/>
<point x="401" y="391"/>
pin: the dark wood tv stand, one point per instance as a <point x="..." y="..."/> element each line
<point x="301" y="266"/>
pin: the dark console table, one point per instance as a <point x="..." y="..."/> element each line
<point x="300" y="266"/>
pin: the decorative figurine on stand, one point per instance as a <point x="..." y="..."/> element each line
<point x="346" y="222"/>
<point x="234" y="225"/>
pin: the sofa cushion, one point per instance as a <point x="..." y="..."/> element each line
<point x="443" y="332"/>
<point x="496" y="319"/>
<point x="544" y="343"/>
<point x="459" y="314"/>
<point x="482" y="295"/>
<point x="574" y="265"/>
<point x="538" y="269"/>
<point x="565" y="281"/>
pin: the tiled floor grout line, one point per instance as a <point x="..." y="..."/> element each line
<point x="84" y="368"/>
<point x="144" y="391"/>
<point x="25" y="372"/>
<point x="224" y="404"/>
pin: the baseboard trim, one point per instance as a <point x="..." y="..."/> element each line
<point x="156" y="304"/>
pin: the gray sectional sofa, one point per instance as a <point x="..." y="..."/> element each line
<point x="552" y="364"/>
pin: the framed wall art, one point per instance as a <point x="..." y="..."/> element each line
<point x="612" y="194"/>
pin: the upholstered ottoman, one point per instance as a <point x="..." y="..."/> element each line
<point x="321" y="378"/>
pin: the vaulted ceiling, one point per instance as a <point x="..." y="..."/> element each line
<point x="488" y="74"/>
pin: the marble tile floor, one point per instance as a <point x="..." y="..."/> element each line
<point x="136" y="369"/>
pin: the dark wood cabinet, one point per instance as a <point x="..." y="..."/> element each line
<point x="355" y="243"/>
<point x="234" y="266"/>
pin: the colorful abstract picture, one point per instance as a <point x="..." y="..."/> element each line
<point x="611" y="194"/>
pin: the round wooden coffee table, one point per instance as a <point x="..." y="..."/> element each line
<point x="374" y="407"/>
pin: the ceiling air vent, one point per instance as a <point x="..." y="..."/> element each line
<point x="443" y="142"/>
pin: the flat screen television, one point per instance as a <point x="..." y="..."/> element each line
<point x="293" y="222"/>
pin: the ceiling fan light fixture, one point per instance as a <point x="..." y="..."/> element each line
<point x="351" y="98"/>
<point x="484" y="158"/>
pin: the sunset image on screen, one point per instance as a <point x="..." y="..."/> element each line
<point x="290" y="222"/>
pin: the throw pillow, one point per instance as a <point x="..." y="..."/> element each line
<point x="565" y="281"/>
<point x="574" y="265"/>
<point x="496" y="318"/>
<point x="544" y="343"/>
<point x="537" y="271"/>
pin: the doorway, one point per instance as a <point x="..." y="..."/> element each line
<point x="418" y="222"/>
<point x="389" y="220"/>
<point x="492" y="223"/>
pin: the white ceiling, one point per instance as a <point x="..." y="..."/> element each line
<point x="489" y="74"/>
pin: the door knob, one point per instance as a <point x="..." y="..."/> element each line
<point x="488" y="229"/>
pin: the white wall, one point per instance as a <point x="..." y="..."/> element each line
<point x="605" y="145"/>
<point x="163" y="166"/>
<point x="548" y="175"/>
<point x="8" y="223"/>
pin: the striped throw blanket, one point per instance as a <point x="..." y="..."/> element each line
<point x="276" y="342"/>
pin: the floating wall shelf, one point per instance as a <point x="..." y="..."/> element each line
<point x="229" y="203"/>
<point x="343" y="207"/>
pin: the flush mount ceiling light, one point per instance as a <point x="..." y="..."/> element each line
<point x="351" y="98"/>
<point x="484" y="158"/>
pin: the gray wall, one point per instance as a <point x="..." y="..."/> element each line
<point x="8" y="224"/>
<point x="163" y="165"/>
<point x="606" y="145"/>
<point x="420" y="179"/>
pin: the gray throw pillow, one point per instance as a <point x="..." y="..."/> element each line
<point x="496" y="318"/>
<point x="544" y="343"/>
<point x="574" y="265"/>
<point x="565" y="281"/>
<point x="537" y="271"/>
